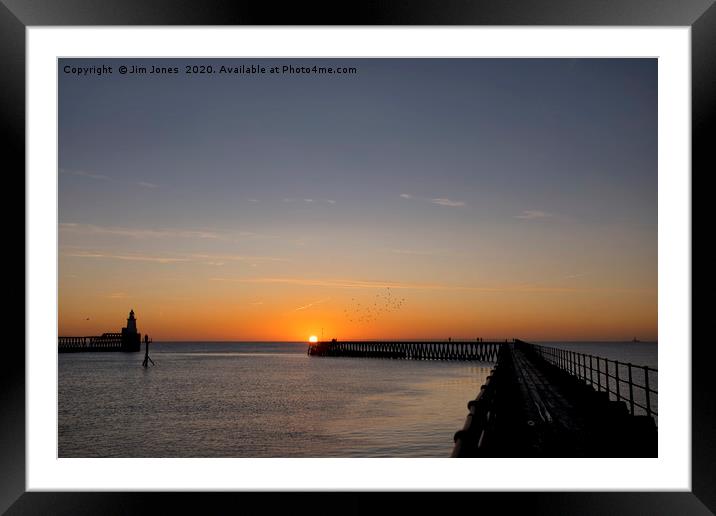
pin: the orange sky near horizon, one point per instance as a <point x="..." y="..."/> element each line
<point x="563" y="317"/>
<point x="191" y="301"/>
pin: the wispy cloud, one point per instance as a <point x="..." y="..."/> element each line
<point x="251" y="235"/>
<point x="551" y="284"/>
<point x="117" y="295"/>
<point x="423" y="252"/>
<point x="148" y="233"/>
<point x="442" y="201"/>
<point x="309" y="200"/>
<point x="364" y="284"/>
<point x="207" y="259"/>
<point x="102" y="177"/>
<point x="574" y="276"/>
<point x="253" y="200"/>
<point x="82" y="173"/>
<point x="127" y="257"/>
<point x="532" y="215"/>
<point x="309" y="305"/>
<point x="238" y="258"/>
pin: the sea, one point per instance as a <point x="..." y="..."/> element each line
<point x="270" y="399"/>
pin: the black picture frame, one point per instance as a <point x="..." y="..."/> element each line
<point x="17" y="15"/>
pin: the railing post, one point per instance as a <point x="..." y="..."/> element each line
<point x="577" y="365"/>
<point x="631" y="391"/>
<point x="599" y="377"/>
<point x="616" y="377"/>
<point x="584" y="367"/>
<point x="591" y="368"/>
<point x="646" y="391"/>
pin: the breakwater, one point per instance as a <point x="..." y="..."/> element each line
<point x="417" y="350"/>
<point x="128" y="340"/>
<point x="540" y="402"/>
<point x="104" y="342"/>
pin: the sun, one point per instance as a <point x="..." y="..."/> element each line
<point x="312" y="339"/>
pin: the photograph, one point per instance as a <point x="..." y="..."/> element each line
<point x="357" y="257"/>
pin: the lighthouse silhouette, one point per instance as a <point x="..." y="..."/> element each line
<point x="131" y="338"/>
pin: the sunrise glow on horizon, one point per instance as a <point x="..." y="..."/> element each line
<point x="420" y="199"/>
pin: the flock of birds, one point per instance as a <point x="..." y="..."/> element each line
<point x="366" y="312"/>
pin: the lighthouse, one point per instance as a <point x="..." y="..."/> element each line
<point x="131" y="323"/>
<point x="131" y="338"/>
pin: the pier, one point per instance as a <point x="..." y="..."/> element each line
<point x="417" y="350"/>
<point x="104" y="342"/>
<point x="539" y="401"/>
<point x="547" y="402"/>
<point x="127" y="340"/>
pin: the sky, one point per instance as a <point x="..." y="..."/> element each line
<point x="416" y="198"/>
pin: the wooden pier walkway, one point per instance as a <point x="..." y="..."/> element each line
<point x="537" y="401"/>
<point x="533" y="408"/>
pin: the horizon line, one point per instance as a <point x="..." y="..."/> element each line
<point x="455" y="340"/>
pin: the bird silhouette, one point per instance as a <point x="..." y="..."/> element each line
<point x="367" y="311"/>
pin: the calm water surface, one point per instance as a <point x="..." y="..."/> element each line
<point x="270" y="400"/>
<point x="638" y="353"/>
<point x="259" y="400"/>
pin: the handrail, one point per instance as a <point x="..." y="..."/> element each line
<point x="471" y="437"/>
<point x="581" y="365"/>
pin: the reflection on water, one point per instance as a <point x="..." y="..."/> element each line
<point x="259" y="400"/>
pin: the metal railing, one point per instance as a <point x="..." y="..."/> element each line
<point x="618" y="381"/>
<point x="472" y="437"/>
